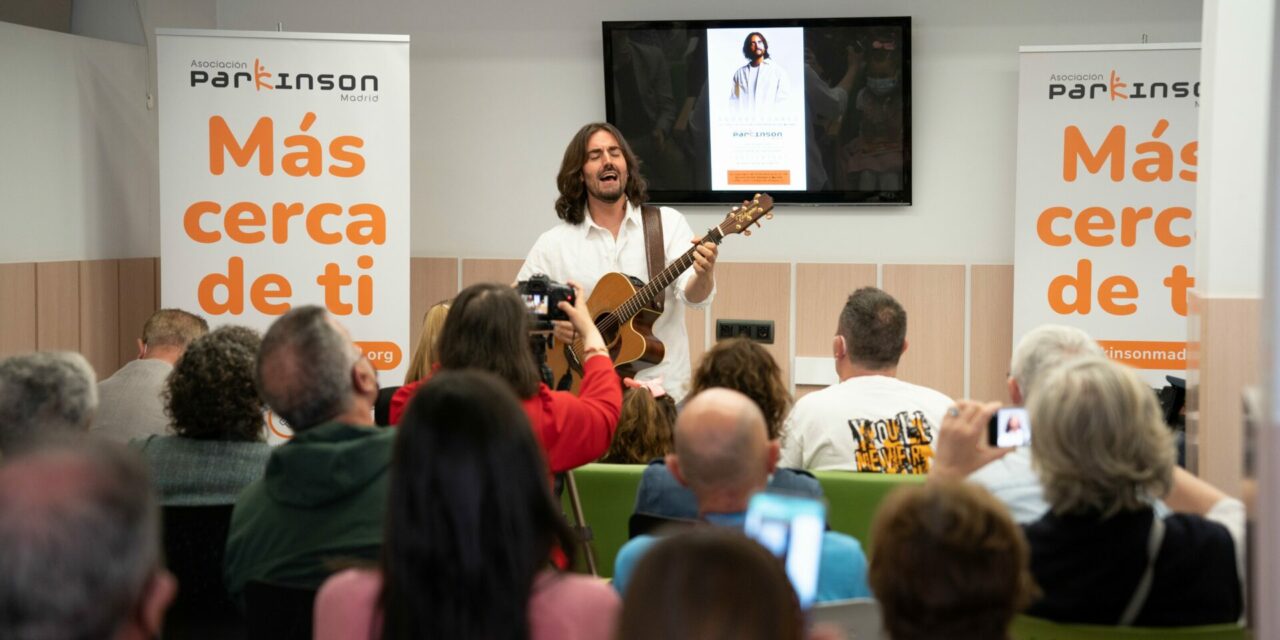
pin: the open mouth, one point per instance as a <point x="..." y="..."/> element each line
<point x="608" y="176"/>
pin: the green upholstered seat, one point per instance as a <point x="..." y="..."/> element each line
<point x="853" y="498"/>
<point x="608" y="493"/>
<point x="1028" y="628"/>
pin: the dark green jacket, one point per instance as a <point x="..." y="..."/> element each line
<point x="321" y="500"/>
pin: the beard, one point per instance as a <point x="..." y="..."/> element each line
<point x="610" y="191"/>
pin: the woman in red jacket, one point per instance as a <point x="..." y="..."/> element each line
<point x="488" y="328"/>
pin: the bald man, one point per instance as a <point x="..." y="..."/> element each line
<point x="724" y="456"/>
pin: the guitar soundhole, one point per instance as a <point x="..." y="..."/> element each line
<point x="608" y="329"/>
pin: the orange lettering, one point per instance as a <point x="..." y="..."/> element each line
<point x="280" y="214"/>
<point x="1130" y="218"/>
<point x="259" y="142"/>
<point x="267" y="287"/>
<point x="1164" y="224"/>
<point x="1081" y="283"/>
<point x="1095" y="219"/>
<point x="233" y="280"/>
<point x="1117" y="288"/>
<point x="1044" y="226"/>
<point x="245" y="214"/>
<point x="315" y="223"/>
<point x="1074" y="147"/>
<point x="191" y="222"/>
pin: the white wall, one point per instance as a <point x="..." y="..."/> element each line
<point x="77" y="148"/>
<point x="500" y="86"/>
<point x="1230" y="199"/>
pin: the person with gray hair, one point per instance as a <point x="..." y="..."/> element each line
<point x="1011" y="478"/>
<point x="131" y="405"/>
<point x="723" y="454"/>
<point x="1103" y="554"/>
<point x="46" y="394"/>
<point x="80" y="546"/>
<point x="324" y="492"/>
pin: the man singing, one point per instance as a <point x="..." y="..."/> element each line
<point x="600" y="203"/>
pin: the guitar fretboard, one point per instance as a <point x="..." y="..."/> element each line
<point x="644" y="295"/>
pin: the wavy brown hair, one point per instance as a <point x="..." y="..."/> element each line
<point x="572" y="203"/>
<point x="746" y="367"/>
<point x="949" y="562"/>
<point x="644" y="428"/>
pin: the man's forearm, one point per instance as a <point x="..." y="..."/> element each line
<point x="699" y="287"/>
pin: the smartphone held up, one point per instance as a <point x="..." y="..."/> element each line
<point x="1009" y="427"/>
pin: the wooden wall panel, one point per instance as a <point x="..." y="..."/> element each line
<point x="933" y="296"/>
<point x="58" y="306"/>
<point x="1230" y="361"/>
<point x="821" y="291"/>
<point x="100" y="315"/>
<point x="490" y="270"/>
<point x="990" y="331"/>
<point x="695" y="322"/>
<point x="17" y="308"/>
<point x="139" y="298"/>
<point x="430" y="281"/>
<point x="757" y="291"/>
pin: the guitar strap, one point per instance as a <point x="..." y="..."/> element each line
<point x="653" y="246"/>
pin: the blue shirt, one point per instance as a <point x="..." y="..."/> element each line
<point x="842" y="569"/>
<point x="660" y="494"/>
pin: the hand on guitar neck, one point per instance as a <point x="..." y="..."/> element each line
<point x="580" y="330"/>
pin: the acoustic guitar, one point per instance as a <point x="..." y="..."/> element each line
<point x="621" y="307"/>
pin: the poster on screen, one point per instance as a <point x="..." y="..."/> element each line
<point x="284" y="181"/>
<point x="1106" y="191"/>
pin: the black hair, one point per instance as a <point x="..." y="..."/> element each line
<point x="470" y="518"/>
<point x="746" y="45"/>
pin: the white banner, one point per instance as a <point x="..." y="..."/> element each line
<point x="1104" y="235"/>
<point x="284" y="180"/>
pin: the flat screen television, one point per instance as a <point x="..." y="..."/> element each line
<point x="813" y="111"/>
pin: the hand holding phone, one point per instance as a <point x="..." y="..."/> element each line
<point x="1009" y="427"/>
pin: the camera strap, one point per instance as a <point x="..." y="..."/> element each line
<point x="653" y="246"/>
<point x="1155" y="536"/>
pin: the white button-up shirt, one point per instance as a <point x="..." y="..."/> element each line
<point x="585" y="252"/>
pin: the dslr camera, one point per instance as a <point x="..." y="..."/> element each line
<point x="542" y="296"/>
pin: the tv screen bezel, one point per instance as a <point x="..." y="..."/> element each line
<point x="805" y="197"/>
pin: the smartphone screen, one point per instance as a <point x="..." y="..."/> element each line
<point x="1009" y="427"/>
<point x="791" y="528"/>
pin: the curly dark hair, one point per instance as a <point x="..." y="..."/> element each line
<point x="572" y="204"/>
<point x="210" y="394"/>
<point x="746" y="367"/>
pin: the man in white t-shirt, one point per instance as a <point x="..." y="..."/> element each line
<point x="870" y="421"/>
<point x="601" y="194"/>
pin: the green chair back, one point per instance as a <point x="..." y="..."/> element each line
<point x="608" y="494"/>
<point x="1028" y="628"/>
<point x="854" y="497"/>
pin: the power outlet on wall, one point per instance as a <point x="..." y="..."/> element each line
<point x="755" y="330"/>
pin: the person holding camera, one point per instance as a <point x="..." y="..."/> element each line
<point x="488" y="328"/>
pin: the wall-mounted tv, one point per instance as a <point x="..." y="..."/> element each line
<point x="814" y="111"/>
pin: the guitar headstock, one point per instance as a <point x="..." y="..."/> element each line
<point x="740" y="219"/>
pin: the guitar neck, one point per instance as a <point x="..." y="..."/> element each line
<point x="646" y="294"/>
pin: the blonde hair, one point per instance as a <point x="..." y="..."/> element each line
<point x="427" y="351"/>
<point x="1099" y="445"/>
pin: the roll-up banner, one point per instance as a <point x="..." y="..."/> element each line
<point x="284" y="181"/>
<point x="1106" y="191"/>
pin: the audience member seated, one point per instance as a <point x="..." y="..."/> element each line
<point x="470" y="529"/>
<point x="130" y="403"/>
<point x="1103" y="555"/>
<point x="80" y="546"/>
<point x="645" y="424"/>
<point x="710" y="583"/>
<point x="871" y="420"/>
<point x="46" y="395"/>
<point x="949" y="563"/>
<point x="323" y="495"/>
<point x="427" y="352"/>
<point x="723" y="454"/>
<point x="488" y="328"/>
<point x="1011" y="478"/>
<point x="218" y="417"/>
<point x="746" y="367"/>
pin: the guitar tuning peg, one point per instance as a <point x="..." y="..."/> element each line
<point x="768" y="216"/>
<point x="747" y="233"/>
<point x="759" y="225"/>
